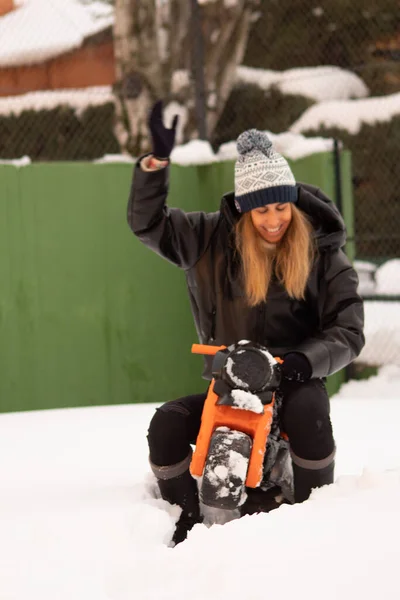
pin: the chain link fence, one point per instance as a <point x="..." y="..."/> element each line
<point x="332" y="69"/>
<point x="58" y="125"/>
<point x="356" y="44"/>
<point x="329" y="68"/>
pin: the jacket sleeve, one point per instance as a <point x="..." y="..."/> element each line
<point x="178" y="236"/>
<point x="341" y="337"/>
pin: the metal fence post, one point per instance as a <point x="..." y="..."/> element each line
<point x="197" y="68"/>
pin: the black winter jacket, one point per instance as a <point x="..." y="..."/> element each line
<point x="327" y="326"/>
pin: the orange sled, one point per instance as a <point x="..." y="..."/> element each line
<point x="240" y="401"/>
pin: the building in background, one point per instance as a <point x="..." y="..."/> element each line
<point x="76" y="52"/>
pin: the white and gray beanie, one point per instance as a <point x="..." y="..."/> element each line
<point x="262" y="175"/>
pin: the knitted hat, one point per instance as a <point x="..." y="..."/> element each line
<point x="262" y="175"/>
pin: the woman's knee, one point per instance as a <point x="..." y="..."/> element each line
<point x="166" y="437"/>
<point x="309" y="398"/>
<point x="173" y="428"/>
<point x="306" y="420"/>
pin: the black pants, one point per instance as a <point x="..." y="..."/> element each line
<point x="304" y="418"/>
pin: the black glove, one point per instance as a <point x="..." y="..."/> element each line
<point x="163" y="139"/>
<point x="296" y="367"/>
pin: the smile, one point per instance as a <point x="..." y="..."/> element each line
<point x="274" y="230"/>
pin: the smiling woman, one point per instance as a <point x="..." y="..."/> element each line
<point x="268" y="268"/>
<point x="283" y="241"/>
<point x="272" y="221"/>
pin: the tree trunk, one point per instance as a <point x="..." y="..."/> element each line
<point x="153" y="42"/>
<point x="137" y="68"/>
<point x="226" y="31"/>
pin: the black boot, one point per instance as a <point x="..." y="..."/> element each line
<point x="177" y="486"/>
<point x="310" y="474"/>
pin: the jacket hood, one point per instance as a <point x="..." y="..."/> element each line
<point x="328" y="224"/>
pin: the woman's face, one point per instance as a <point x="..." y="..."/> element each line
<point x="271" y="221"/>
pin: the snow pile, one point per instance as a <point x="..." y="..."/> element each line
<point x="78" y="99"/>
<point x="366" y="275"/>
<point x="39" y="30"/>
<point x="348" y="114"/>
<point x="382" y="333"/>
<point x="382" y="318"/>
<point x="115" y="158"/>
<point x="293" y="146"/>
<point x="247" y="401"/>
<point x="317" y="83"/>
<point x="383" y="280"/>
<point x="79" y="518"/>
<point x="387" y="277"/>
<point x="387" y="383"/>
<point x="195" y="152"/>
<point x="17" y="162"/>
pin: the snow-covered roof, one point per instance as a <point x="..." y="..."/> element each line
<point x="317" y="83"/>
<point x="38" y="30"/>
<point x="348" y="114"/>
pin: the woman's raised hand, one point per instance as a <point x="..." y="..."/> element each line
<point x="163" y="139"/>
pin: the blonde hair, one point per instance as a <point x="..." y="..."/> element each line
<point x="291" y="261"/>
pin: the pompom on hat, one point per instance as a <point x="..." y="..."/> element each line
<point x="262" y="175"/>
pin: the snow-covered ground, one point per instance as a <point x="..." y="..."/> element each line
<point x="77" y="519"/>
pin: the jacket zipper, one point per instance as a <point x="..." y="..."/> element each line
<point x="261" y="323"/>
<point x="213" y="324"/>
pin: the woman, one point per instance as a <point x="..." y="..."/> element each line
<point x="267" y="267"/>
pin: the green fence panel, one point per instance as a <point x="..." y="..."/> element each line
<point x="88" y="315"/>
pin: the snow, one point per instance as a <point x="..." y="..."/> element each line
<point x="293" y="146"/>
<point x="78" y="517"/>
<point x="272" y="361"/>
<point x="382" y="332"/>
<point x="195" y="152"/>
<point x="237" y="464"/>
<point x="247" y="401"/>
<point x="180" y="80"/>
<point x="78" y="99"/>
<point x="316" y="83"/>
<point x="382" y="280"/>
<point x="38" y="30"/>
<point x="170" y="111"/>
<point x="366" y="275"/>
<point x="387" y="277"/>
<point x="18" y="162"/>
<point x="115" y="158"/>
<point x="385" y="385"/>
<point x="382" y="318"/>
<point x="348" y="114"/>
<point x="229" y="369"/>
